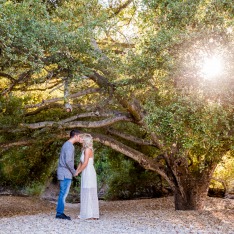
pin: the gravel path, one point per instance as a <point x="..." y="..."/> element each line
<point x="134" y="216"/>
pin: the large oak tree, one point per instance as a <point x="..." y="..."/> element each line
<point x="128" y="72"/>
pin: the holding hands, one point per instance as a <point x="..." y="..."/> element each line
<point x="77" y="173"/>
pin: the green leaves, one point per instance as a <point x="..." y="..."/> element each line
<point x="191" y="121"/>
<point x="30" y="34"/>
<point x="11" y="111"/>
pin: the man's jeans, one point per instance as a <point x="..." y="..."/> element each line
<point x="64" y="189"/>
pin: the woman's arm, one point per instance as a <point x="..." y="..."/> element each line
<point x="87" y="154"/>
<point x="78" y="167"/>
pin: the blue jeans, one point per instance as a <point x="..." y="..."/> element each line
<point x="64" y="189"/>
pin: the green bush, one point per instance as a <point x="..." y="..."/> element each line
<point x="224" y="173"/>
<point x="35" y="189"/>
<point x="122" y="178"/>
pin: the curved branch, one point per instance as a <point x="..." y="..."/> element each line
<point x="5" y="146"/>
<point x="74" y="95"/>
<point x="22" y="77"/>
<point x="116" y="11"/>
<point x="78" y="124"/>
<point x="17" y="143"/>
<point x="130" y="138"/>
<point x="2" y="74"/>
<point x="52" y="86"/>
<point x="145" y="161"/>
<point x="156" y="140"/>
<point x="46" y="107"/>
<point x="132" y="106"/>
<point x="92" y="114"/>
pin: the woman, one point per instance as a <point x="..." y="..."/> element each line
<point x="89" y="208"/>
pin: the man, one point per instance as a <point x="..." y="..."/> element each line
<point x="66" y="171"/>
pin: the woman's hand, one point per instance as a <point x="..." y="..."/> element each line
<point x="87" y="154"/>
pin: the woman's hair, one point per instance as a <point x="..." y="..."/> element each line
<point x="87" y="141"/>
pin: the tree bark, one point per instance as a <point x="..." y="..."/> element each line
<point x="192" y="191"/>
<point x="53" y="100"/>
<point x="79" y="124"/>
<point x="193" y="197"/>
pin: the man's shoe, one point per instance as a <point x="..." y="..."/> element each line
<point x="62" y="216"/>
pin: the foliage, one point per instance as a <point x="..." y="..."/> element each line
<point x="29" y="166"/>
<point x="186" y="121"/>
<point x="128" y="180"/>
<point x="144" y="60"/>
<point x="225" y="173"/>
<point x="122" y="178"/>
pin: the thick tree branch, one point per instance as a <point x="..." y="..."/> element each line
<point x="75" y="95"/>
<point x="2" y="74"/>
<point x="156" y="140"/>
<point x="145" y="161"/>
<point x="93" y="114"/>
<point x="78" y="124"/>
<point x="5" y="146"/>
<point x="132" y="106"/>
<point x="142" y="159"/>
<point x="101" y="81"/>
<point x="16" y="143"/>
<point x="46" y="107"/>
<point x="130" y="138"/>
<point x="52" y="86"/>
<point x="22" y="77"/>
<point x="116" y="11"/>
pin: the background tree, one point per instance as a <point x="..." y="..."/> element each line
<point x="130" y="73"/>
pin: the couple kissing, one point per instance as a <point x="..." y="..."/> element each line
<point x="89" y="207"/>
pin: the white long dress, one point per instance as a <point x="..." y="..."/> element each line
<point x="89" y="207"/>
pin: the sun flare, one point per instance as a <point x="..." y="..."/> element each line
<point x="212" y="67"/>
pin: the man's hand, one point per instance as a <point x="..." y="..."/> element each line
<point x="76" y="174"/>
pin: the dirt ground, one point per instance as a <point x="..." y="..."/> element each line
<point x="16" y="206"/>
<point x="19" y="205"/>
<point x="146" y="216"/>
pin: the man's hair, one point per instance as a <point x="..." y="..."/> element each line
<point x="74" y="132"/>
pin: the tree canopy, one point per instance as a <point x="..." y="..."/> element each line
<point x="129" y="72"/>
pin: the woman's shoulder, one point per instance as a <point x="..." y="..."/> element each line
<point x="88" y="151"/>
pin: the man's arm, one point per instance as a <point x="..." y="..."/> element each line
<point x="70" y="160"/>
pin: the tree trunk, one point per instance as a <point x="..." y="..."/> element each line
<point x="192" y="193"/>
<point x="191" y="200"/>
